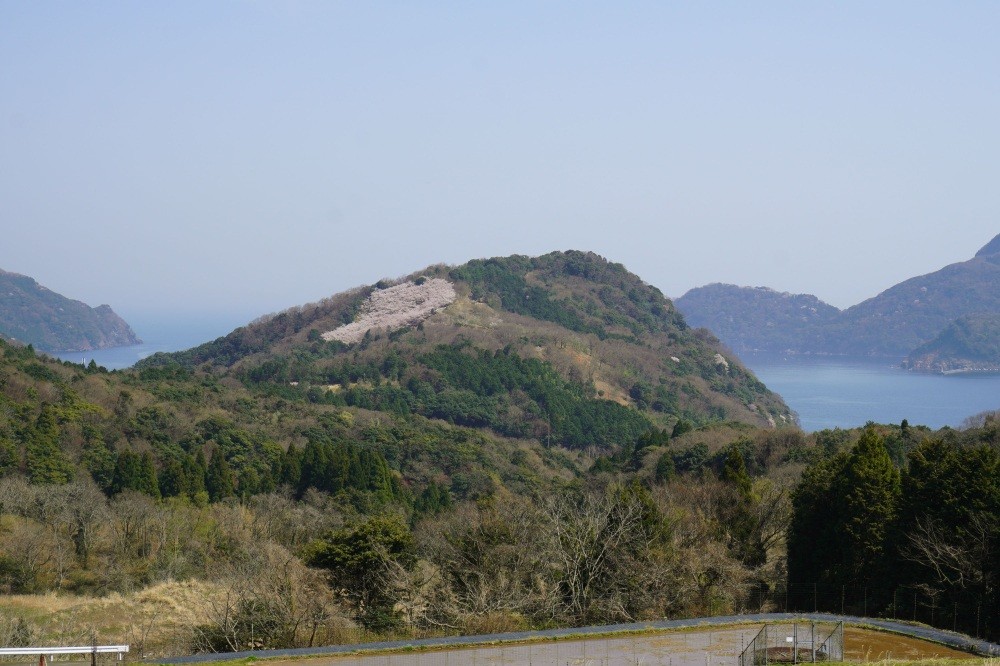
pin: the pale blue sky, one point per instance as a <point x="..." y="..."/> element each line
<point x="243" y="157"/>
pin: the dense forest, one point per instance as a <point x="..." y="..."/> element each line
<point x="312" y="522"/>
<point x="904" y="525"/>
<point x="555" y="447"/>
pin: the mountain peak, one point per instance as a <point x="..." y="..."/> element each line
<point x="443" y="337"/>
<point x="991" y="248"/>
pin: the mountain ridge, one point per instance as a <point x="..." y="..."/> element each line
<point x="890" y="324"/>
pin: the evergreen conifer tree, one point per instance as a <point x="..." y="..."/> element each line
<point x="815" y="546"/>
<point x="291" y="467"/>
<point x="173" y="480"/>
<point x="734" y="472"/>
<point x="46" y="461"/>
<point x="128" y="473"/>
<point x="665" y="469"/>
<point x="8" y="456"/>
<point x="197" y="472"/>
<point x="871" y="495"/>
<point x="737" y="510"/>
<point x="844" y="513"/>
<point x="147" y="480"/>
<point x="219" y="480"/>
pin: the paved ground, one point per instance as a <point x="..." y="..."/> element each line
<point x="677" y="648"/>
<point x="704" y="647"/>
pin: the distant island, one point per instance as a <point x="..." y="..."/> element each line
<point x="32" y="314"/>
<point x="895" y="324"/>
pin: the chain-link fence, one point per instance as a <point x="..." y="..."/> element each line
<point x="966" y="613"/>
<point x="794" y="644"/>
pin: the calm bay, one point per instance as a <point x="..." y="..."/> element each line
<point x="830" y="392"/>
<point x="160" y="334"/>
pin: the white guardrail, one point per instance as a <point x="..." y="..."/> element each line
<point x="51" y="652"/>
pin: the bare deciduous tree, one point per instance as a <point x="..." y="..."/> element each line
<point x="590" y="536"/>
<point x="270" y="599"/>
<point x="958" y="558"/>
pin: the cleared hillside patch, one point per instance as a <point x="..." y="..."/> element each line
<point x="405" y="304"/>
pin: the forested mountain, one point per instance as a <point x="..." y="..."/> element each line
<point x="915" y="311"/>
<point x="560" y="347"/>
<point x="400" y="458"/>
<point x="508" y="444"/>
<point x="891" y="324"/>
<point x="32" y="314"/>
<point x="758" y="318"/>
<point x="969" y="344"/>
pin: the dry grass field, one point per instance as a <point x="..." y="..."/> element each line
<point x="155" y="621"/>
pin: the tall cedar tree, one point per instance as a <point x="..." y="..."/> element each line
<point x="46" y="461"/>
<point x="871" y="504"/>
<point x="219" y="479"/>
<point x="126" y="474"/>
<point x="815" y="546"/>
<point x="737" y="511"/>
<point x="148" y="483"/>
<point x="844" y="510"/>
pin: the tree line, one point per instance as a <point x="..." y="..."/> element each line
<point x="867" y="534"/>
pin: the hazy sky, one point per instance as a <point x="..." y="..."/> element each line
<point x="238" y="158"/>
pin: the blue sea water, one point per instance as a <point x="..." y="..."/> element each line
<point x="837" y="392"/>
<point x="160" y="334"/>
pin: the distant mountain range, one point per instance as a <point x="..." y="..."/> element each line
<point x="32" y="314"/>
<point x="892" y="324"/>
